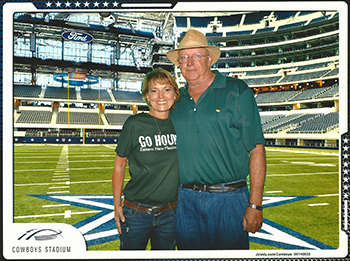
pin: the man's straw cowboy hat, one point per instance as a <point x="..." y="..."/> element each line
<point x="194" y="39"/>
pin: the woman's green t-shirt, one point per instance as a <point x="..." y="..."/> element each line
<point x="152" y="157"/>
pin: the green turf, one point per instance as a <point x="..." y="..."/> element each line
<point x="290" y="172"/>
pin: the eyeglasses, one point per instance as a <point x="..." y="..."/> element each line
<point x="196" y="58"/>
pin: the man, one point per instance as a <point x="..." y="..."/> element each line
<point x="219" y="143"/>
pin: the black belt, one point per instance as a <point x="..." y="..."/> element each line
<point x="216" y="187"/>
<point x="153" y="210"/>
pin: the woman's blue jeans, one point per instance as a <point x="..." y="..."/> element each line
<point x="209" y="221"/>
<point x="139" y="227"/>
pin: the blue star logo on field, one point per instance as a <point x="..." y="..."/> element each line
<point x="101" y="227"/>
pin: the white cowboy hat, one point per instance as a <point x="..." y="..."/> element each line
<point x="194" y="39"/>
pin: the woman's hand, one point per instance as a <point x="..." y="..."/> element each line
<point x="118" y="216"/>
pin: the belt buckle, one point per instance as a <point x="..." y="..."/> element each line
<point x="198" y="188"/>
<point x="151" y="210"/>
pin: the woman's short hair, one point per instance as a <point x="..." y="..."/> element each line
<point x="161" y="76"/>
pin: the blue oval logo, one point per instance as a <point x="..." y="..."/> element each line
<point x="76" y="36"/>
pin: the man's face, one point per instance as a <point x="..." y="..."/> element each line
<point x="195" y="64"/>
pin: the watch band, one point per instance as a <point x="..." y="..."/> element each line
<point x="251" y="205"/>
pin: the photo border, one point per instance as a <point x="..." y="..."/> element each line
<point x="147" y="6"/>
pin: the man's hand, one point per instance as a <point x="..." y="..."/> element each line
<point x="252" y="220"/>
<point x="118" y="216"/>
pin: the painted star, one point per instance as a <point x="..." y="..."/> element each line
<point x="101" y="227"/>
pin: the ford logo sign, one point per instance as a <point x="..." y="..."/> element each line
<point x="76" y="36"/>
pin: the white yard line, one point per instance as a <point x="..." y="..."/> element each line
<point x="301" y="174"/>
<point x="59" y="214"/>
<point x="28" y="170"/>
<point x="306" y="152"/>
<point x="57" y="205"/>
<point x="71" y="182"/>
<point x="318" y="204"/>
<point x="328" y="195"/>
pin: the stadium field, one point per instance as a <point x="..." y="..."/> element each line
<point x="72" y="184"/>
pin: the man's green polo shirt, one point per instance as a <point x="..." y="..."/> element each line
<point x="215" y="135"/>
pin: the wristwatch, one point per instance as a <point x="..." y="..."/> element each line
<point x="251" y="205"/>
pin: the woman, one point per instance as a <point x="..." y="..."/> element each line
<point x="148" y="142"/>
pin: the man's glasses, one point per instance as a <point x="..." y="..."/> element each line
<point x="196" y="58"/>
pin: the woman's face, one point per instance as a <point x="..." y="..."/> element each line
<point x="160" y="97"/>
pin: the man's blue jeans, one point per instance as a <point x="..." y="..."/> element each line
<point x="209" y="221"/>
<point x="139" y="227"/>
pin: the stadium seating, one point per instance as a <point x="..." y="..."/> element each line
<point x="28" y="91"/>
<point x="60" y="93"/>
<point x="312" y="66"/>
<point x="255" y="18"/>
<point x="88" y="118"/>
<point x="261" y="80"/>
<point x="29" y="116"/>
<point x="272" y="97"/>
<point x="286" y="122"/>
<point x="304" y="76"/>
<point x="95" y="95"/>
<point x="127" y="96"/>
<point x="309" y="94"/>
<point x="282" y="15"/>
<point x="331" y="92"/>
<point x="116" y="118"/>
<point x="321" y="124"/>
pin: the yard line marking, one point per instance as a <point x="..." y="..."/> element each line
<point x="58" y="187"/>
<point x="60" y="179"/>
<point x="57" y="192"/>
<point x="301" y="174"/>
<point x="328" y="195"/>
<point x="86" y="228"/>
<point x="60" y="214"/>
<point x="111" y="232"/>
<point x="31" y="162"/>
<point x="67" y="213"/>
<point x="89" y="160"/>
<point x="318" y="204"/>
<point x="20" y="170"/>
<point x="306" y="152"/>
<point x="81" y="200"/>
<point x="311" y="163"/>
<point x="67" y="182"/>
<point x="271" y="192"/>
<point x="57" y="205"/>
